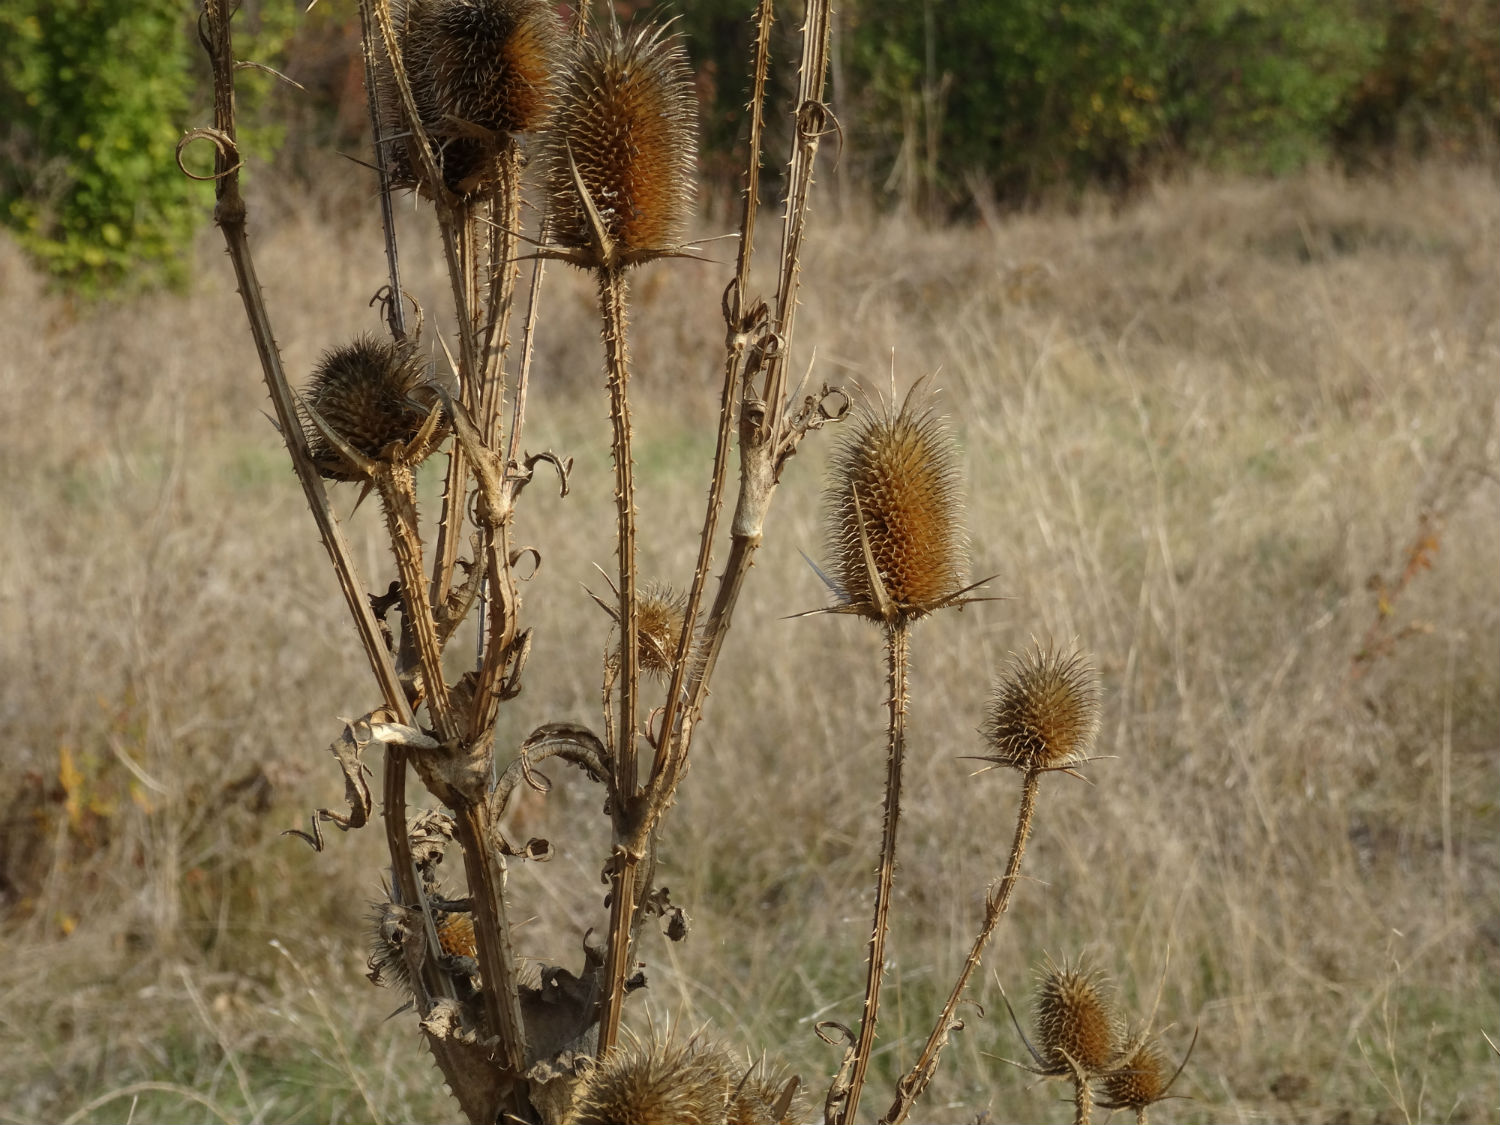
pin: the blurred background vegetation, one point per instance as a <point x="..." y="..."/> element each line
<point x="941" y="108"/>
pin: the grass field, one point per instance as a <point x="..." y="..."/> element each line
<point x="1238" y="439"/>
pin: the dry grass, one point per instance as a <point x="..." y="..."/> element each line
<point x="1195" y="429"/>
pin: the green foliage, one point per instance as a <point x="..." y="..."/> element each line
<point x="95" y="94"/>
<point x="1032" y="93"/>
<point x="94" y="98"/>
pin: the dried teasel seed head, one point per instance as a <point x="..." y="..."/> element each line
<point x="626" y="119"/>
<point x="479" y="71"/>
<point x="1044" y="712"/>
<point x="689" y="1083"/>
<point x="483" y="65"/>
<point x="1075" y="1019"/>
<point x="372" y="393"/>
<point x="660" y="615"/>
<point x="1140" y="1078"/>
<point x="894" y="485"/>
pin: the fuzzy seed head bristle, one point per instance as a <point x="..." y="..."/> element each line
<point x="627" y="118"/>
<point x="688" y="1083"/>
<point x="1075" y="1019"/>
<point x="371" y="393"/>
<point x="1044" y="712"/>
<point x="1140" y="1079"/>
<point x="903" y="471"/>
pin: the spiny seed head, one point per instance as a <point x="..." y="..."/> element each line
<point x="660" y="616"/>
<point x="689" y="1083"/>
<point x="896" y="477"/>
<point x="1044" y="712"/>
<point x="483" y="64"/>
<point x="1075" y="1019"/>
<point x="1141" y="1078"/>
<point x="627" y="119"/>
<point x="371" y="393"/>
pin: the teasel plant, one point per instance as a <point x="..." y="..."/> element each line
<point x="459" y="92"/>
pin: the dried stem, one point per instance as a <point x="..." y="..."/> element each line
<point x="229" y="214"/>
<point x="897" y="639"/>
<point x="911" y="1087"/>
<point x="623" y="880"/>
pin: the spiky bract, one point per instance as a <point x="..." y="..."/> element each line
<point x="373" y="394"/>
<point x="626" y="119"/>
<point x="894" y="484"/>
<point x="1141" y="1078"/>
<point x="1075" y="1019"/>
<point x="1044" y="712"/>
<point x="392" y="929"/>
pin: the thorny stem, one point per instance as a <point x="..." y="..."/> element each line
<point x="229" y="214"/>
<point x="897" y="645"/>
<point x="396" y="314"/>
<point x="910" y="1087"/>
<point x="667" y="768"/>
<point x="623" y="880"/>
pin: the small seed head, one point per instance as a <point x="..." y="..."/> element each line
<point x="1044" y="712"/>
<point x="1140" y="1079"/>
<point x="372" y="393"/>
<point x="896" y="479"/>
<point x="1075" y="1019"/>
<point x="689" y="1083"/>
<point x="627" y="119"/>
<point x="392" y="929"/>
<point x="660" y="616"/>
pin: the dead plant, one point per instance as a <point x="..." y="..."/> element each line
<point x="452" y="84"/>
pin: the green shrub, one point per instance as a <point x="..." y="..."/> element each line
<point x="94" y="98"/>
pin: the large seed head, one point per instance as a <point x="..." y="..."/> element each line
<point x="688" y="1083"/>
<point x="485" y="64"/>
<point x="897" y="479"/>
<point x="371" y="393"/>
<point x="1075" y="1019"/>
<point x="626" y="118"/>
<point x="1044" y="712"/>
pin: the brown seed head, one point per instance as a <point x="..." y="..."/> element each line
<point x="757" y="1099"/>
<point x="483" y="64"/>
<point x="688" y="1083"/>
<point x="660" y="617"/>
<point x="372" y="393"/>
<point x="1140" y="1079"/>
<point x="627" y="119"/>
<point x="1044" y="712"/>
<point x="896" y="478"/>
<point x="1075" y="1019"/>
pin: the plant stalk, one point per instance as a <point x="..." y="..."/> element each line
<point x="912" y="1085"/>
<point x="897" y="644"/>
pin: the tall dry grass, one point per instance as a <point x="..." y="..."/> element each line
<point x="1207" y="435"/>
